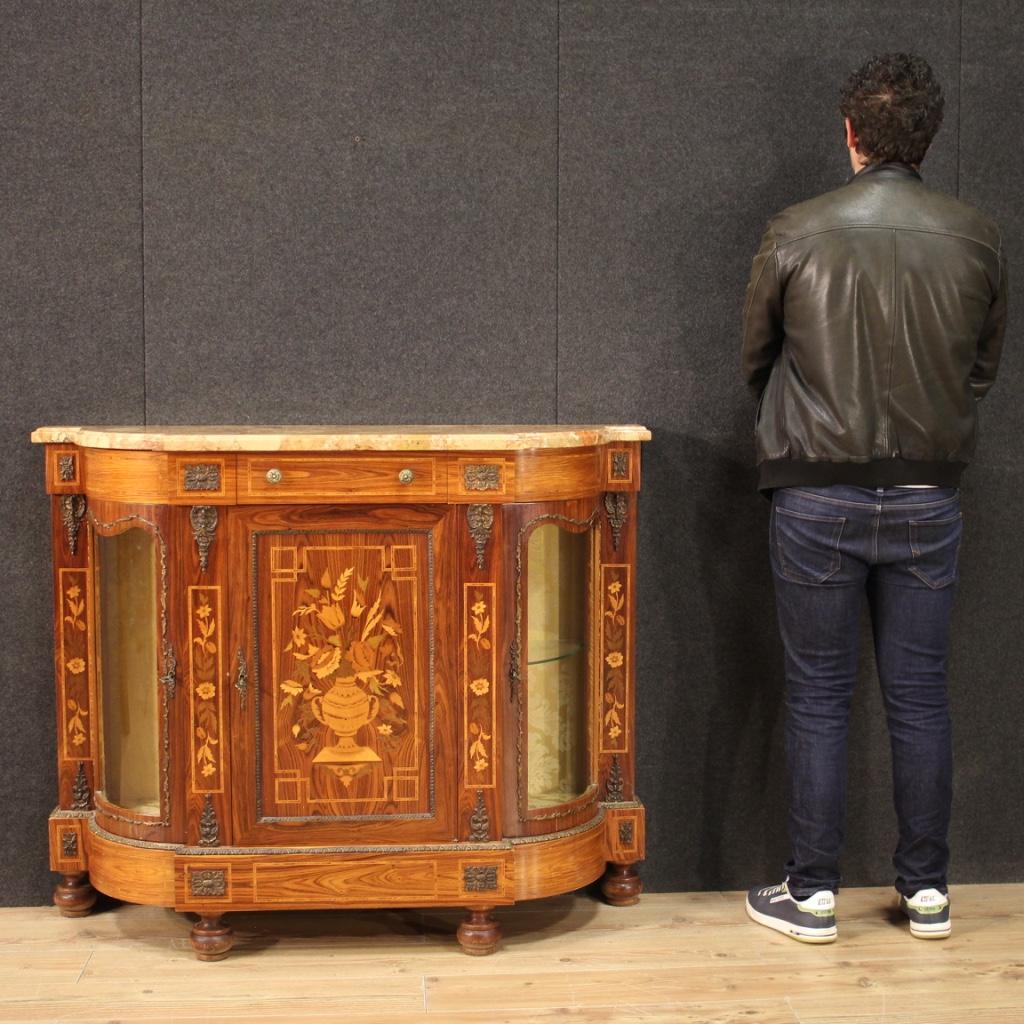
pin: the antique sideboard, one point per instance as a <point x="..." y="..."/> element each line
<point x="317" y="667"/>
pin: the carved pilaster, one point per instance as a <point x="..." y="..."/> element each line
<point x="481" y="520"/>
<point x="81" y="795"/>
<point x="72" y="511"/>
<point x="479" y="822"/>
<point x="204" y="524"/>
<point x="209" y="829"/>
<point x="614" y="785"/>
<point x="615" y="505"/>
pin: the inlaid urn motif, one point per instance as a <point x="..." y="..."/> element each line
<point x="344" y="667"/>
<point x="345" y="709"/>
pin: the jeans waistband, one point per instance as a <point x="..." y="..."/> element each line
<point x="849" y="494"/>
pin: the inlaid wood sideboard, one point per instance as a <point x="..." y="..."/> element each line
<point x="317" y="667"/>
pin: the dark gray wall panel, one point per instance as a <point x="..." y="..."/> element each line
<point x="294" y="273"/>
<point x="350" y="211"/>
<point x="683" y="127"/>
<point x="70" y="331"/>
<point x="990" y="691"/>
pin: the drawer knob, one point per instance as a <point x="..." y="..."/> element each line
<point x="274" y="476"/>
<point x="406" y="476"/>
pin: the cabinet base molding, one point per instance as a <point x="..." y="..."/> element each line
<point x="479" y="876"/>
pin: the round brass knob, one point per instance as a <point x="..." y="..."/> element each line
<point x="406" y="476"/>
<point x="274" y="476"/>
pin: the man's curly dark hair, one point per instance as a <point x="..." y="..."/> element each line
<point x="895" y="105"/>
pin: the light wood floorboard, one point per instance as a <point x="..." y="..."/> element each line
<point x="676" y="958"/>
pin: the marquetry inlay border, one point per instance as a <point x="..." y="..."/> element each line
<point x="76" y="668"/>
<point x="479" y="673"/>
<point x="206" y="686"/>
<point x="615" y="651"/>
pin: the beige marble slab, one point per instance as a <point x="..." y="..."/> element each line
<point x="398" y="437"/>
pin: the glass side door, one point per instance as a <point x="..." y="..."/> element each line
<point x="128" y="614"/>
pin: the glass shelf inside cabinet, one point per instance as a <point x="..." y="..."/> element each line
<point x="556" y="659"/>
<point x="552" y="649"/>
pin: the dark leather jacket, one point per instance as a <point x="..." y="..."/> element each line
<point x="873" y="323"/>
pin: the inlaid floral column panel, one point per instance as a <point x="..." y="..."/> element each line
<point x="479" y="673"/>
<point x="206" y="661"/>
<point x="74" y="665"/>
<point x="614" y="654"/>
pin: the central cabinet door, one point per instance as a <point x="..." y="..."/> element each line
<point x="343" y="675"/>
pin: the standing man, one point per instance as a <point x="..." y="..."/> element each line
<point x="873" y="326"/>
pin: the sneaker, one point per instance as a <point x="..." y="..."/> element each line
<point x="928" y="911"/>
<point x="809" y="920"/>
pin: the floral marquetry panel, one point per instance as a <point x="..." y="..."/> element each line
<point x="206" y="675"/>
<point x="74" y="664"/>
<point x="480" y="675"/>
<point x="345" y="689"/>
<point x="615" y="652"/>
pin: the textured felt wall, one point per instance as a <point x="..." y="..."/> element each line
<point x="350" y="211"/>
<point x="314" y="211"/>
<point x="71" y="337"/>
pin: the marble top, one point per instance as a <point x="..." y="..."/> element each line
<point x="396" y="437"/>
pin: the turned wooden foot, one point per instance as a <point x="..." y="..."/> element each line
<point x="479" y="933"/>
<point x="211" y="938"/>
<point x="74" y="896"/>
<point x="621" y="885"/>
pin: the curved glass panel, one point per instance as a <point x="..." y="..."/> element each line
<point x="127" y="609"/>
<point x="556" y="659"/>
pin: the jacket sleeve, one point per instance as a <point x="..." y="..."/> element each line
<point x="762" y="317"/>
<point x="990" y="341"/>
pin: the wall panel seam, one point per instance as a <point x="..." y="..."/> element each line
<point x="142" y="222"/>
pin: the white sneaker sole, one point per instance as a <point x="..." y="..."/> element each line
<point x="920" y="930"/>
<point x="817" y="936"/>
<point x="941" y="930"/>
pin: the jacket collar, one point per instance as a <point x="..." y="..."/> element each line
<point x="887" y="169"/>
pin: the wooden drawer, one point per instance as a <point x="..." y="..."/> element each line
<point x="350" y="477"/>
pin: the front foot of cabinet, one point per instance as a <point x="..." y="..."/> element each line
<point x="479" y="934"/>
<point x="211" y="938"/>
<point x="621" y="885"/>
<point x="74" y="896"/>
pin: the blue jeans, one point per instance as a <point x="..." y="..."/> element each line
<point x="831" y="547"/>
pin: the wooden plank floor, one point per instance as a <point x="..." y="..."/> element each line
<point x="676" y="958"/>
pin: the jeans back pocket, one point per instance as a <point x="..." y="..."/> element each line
<point x="807" y="546"/>
<point x="934" y="549"/>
